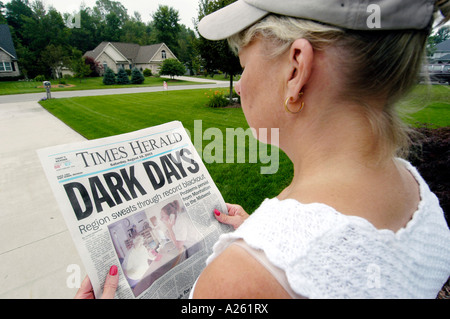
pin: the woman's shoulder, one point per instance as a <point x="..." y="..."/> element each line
<point x="283" y="229"/>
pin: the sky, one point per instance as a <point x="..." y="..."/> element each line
<point x="187" y="9"/>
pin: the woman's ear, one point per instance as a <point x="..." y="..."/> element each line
<point x="301" y="56"/>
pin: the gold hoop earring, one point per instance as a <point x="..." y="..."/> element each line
<point x="287" y="108"/>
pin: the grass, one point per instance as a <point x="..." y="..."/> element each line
<point x="242" y="183"/>
<point x="427" y="104"/>
<point x="21" y="87"/>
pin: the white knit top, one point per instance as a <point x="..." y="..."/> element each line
<point x="326" y="254"/>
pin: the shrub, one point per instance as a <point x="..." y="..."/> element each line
<point x="122" y="77"/>
<point x="128" y="71"/>
<point x="172" y="67"/>
<point x="137" y="77"/>
<point x="147" y="72"/>
<point x="95" y="66"/>
<point x="431" y="156"/>
<point x="39" y="78"/>
<point x="109" y="78"/>
<point x="216" y="99"/>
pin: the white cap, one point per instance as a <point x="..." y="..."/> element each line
<point x="347" y="14"/>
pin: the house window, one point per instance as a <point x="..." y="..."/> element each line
<point x="105" y="66"/>
<point x="5" y="67"/>
<point x="163" y="54"/>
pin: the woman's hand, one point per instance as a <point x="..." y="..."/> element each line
<point x="109" y="290"/>
<point x="236" y="215"/>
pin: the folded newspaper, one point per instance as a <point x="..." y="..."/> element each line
<point x="143" y="201"/>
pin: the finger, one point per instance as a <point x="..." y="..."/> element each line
<point x="85" y="291"/>
<point x="234" y="210"/>
<point x="111" y="283"/>
<point x="234" y="221"/>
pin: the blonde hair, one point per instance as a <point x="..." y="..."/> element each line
<point x="373" y="64"/>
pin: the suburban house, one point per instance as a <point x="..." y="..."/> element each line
<point x="115" y="55"/>
<point x="442" y="52"/>
<point x="8" y="56"/>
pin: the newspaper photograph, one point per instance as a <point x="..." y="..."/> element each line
<point x="143" y="201"/>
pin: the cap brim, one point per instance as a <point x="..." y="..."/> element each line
<point x="229" y="20"/>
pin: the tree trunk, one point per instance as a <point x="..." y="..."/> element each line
<point x="231" y="88"/>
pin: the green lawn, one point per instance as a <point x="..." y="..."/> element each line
<point x="21" y="87"/>
<point x="428" y="104"/>
<point x="241" y="183"/>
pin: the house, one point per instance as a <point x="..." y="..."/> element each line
<point x="115" y="55"/>
<point x="8" y="56"/>
<point x="442" y="52"/>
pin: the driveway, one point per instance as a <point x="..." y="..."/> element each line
<point x="36" y="250"/>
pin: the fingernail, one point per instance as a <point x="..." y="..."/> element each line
<point x="216" y="212"/>
<point x="113" y="270"/>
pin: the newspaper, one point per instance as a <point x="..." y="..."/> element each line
<point x="143" y="201"/>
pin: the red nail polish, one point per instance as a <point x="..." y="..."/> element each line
<point x="113" y="270"/>
<point x="216" y="212"/>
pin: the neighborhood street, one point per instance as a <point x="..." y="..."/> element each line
<point x="207" y="84"/>
<point x="37" y="256"/>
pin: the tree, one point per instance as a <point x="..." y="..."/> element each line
<point x="16" y="11"/>
<point x="95" y="66"/>
<point x="109" y="78"/>
<point x="137" y="77"/>
<point x="88" y="36"/>
<point x="216" y="55"/>
<point x="55" y="58"/>
<point x="112" y="30"/>
<point x="165" y="23"/>
<point x="440" y="36"/>
<point x="105" y="7"/>
<point x="2" y="13"/>
<point x="172" y="67"/>
<point x="122" y="77"/>
<point x="80" y="68"/>
<point x="187" y="51"/>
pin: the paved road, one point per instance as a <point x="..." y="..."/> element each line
<point x="64" y="94"/>
<point x="35" y="246"/>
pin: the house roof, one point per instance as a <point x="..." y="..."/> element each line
<point x="443" y="46"/>
<point x="133" y="52"/>
<point x="6" y="42"/>
<point x="444" y="58"/>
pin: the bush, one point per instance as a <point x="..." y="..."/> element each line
<point x="172" y="67"/>
<point x="137" y="77"/>
<point x="431" y="156"/>
<point x="147" y="72"/>
<point x="95" y="66"/>
<point x="128" y="71"/>
<point x="216" y="99"/>
<point x="39" y="78"/>
<point x="122" y="77"/>
<point x="109" y="78"/>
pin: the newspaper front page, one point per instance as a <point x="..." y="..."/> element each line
<point x="143" y="201"/>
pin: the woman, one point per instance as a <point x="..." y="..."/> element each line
<point x="356" y="220"/>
